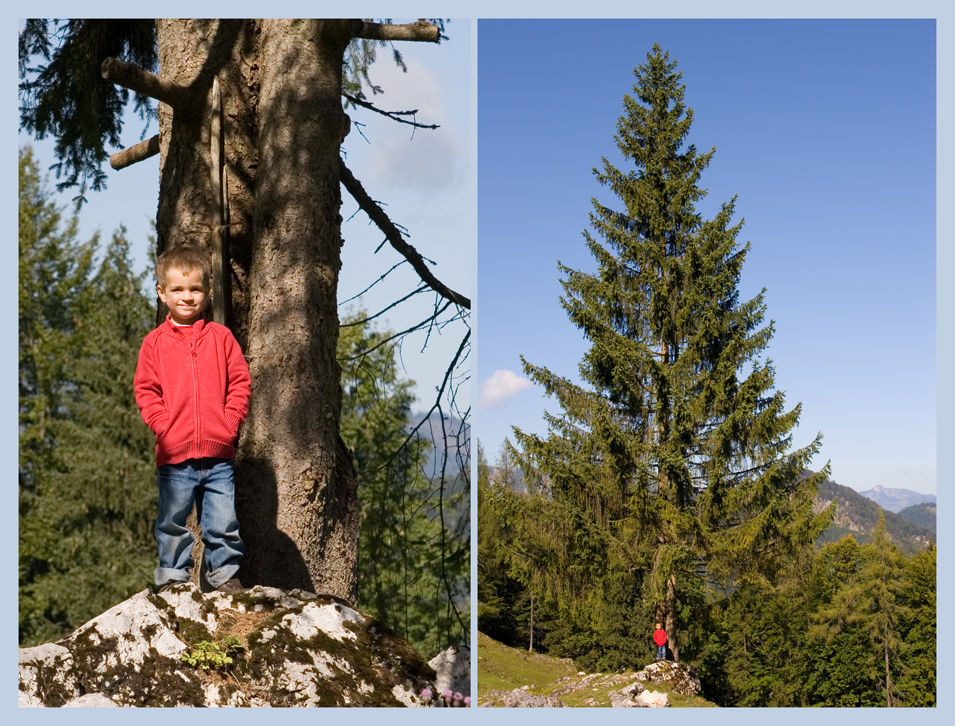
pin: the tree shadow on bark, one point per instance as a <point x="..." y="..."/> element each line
<point x="271" y="557"/>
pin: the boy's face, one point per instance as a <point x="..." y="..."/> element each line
<point x="184" y="295"/>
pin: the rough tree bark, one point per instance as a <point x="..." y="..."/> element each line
<point x="283" y="124"/>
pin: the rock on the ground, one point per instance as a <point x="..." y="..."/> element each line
<point x="91" y="700"/>
<point x="652" y="699"/>
<point x="680" y="678"/>
<point x="636" y="696"/>
<point x="299" y="649"/>
<point x="520" y="698"/>
<point x="624" y="698"/>
<point x="453" y="669"/>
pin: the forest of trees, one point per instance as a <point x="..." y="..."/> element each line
<point x="87" y="487"/>
<point x="839" y="623"/>
<point x="668" y="487"/>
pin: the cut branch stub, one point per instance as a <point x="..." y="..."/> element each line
<point x="134" y="154"/>
<point x="149" y="84"/>
<point x="421" y="30"/>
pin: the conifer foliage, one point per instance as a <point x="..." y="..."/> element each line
<point x="87" y="494"/>
<point x="670" y="472"/>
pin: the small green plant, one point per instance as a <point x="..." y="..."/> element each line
<point x="212" y="656"/>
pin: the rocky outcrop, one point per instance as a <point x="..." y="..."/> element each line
<point x="453" y="670"/>
<point x="678" y="677"/>
<point x="265" y="647"/>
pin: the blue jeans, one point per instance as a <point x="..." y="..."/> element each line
<point x="661" y="652"/>
<point x="208" y="483"/>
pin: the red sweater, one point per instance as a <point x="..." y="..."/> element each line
<point x="659" y="637"/>
<point x="194" y="394"/>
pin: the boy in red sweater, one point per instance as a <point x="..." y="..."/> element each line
<point x="660" y="640"/>
<point x="192" y="387"/>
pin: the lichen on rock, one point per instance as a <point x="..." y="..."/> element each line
<point x="296" y="649"/>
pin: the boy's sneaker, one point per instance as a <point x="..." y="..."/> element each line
<point x="232" y="586"/>
<point x="166" y="587"/>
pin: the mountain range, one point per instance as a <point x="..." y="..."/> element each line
<point x="910" y="530"/>
<point x="895" y="500"/>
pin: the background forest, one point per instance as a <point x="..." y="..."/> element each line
<point x="87" y="491"/>
<point x="818" y="636"/>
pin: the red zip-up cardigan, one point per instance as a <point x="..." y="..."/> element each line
<point x="192" y="395"/>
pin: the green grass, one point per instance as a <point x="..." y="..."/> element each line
<point x="502" y="669"/>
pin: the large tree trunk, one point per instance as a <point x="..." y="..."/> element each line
<point x="281" y="89"/>
<point x="666" y="615"/>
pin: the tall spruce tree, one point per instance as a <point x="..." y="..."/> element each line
<point x="671" y="466"/>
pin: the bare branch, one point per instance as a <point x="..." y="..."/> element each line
<point x="420" y="30"/>
<point x="359" y="294"/>
<point x="393" y="115"/>
<point x="135" y="154"/>
<point x="378" y="216"/>
<point x="413" y="328"/>
<point x="437" y="399"/>
<point x="149" y="84"/>
<point x="369" y="318"/>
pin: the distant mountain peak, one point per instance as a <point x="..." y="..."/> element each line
<point x="895" y="500"/>
<point x="857" y="515"/>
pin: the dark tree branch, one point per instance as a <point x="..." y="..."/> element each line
<point x="135" y="154"/>
<point x="369" y="318"/>
<point x="149" y="84"/>
<point x="420" y="30"/>
<point x="378" y="216"/>
<point x="393" y="115"/>
<point x="380" y="279"/>
<point x="426" y="322"/>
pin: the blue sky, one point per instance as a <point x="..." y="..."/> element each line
<point x="825" y="130"/>
<point x="426" y="179"/>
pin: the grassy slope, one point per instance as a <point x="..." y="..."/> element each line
<point x="502" y="669"/>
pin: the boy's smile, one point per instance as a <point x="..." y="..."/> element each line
<point x="184" y="295"/>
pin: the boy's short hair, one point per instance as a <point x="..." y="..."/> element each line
<point x="184" y="258"/>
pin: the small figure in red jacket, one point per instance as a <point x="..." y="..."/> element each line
<point x="660" y="639"/>
<point x="192" y="387"/>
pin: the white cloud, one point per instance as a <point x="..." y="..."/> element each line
<point x="400" y="157"/>
<point x="499" y="387"/>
